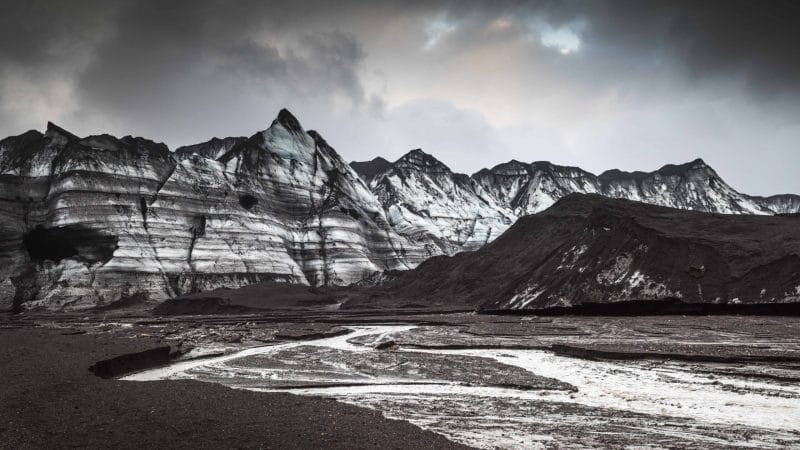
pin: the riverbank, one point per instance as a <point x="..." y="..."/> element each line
<point x="50" y="399"/>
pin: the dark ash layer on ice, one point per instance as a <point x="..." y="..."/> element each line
<point x="588" y="252"/>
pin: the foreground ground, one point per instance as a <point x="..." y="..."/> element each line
<point x="486" y="381"/>
<point x="50" y="399"/>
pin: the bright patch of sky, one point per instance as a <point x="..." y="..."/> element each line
<point x="566" y="38"/>
<point x="436" y="29"/>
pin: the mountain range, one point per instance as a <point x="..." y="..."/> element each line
<point x="422" y="195"/>
<point x="90" y="221"/>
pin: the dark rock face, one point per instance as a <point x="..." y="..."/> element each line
<point x="289" y="121"/>
<point x="591" y="250"/>
<point x="369" y="169"/>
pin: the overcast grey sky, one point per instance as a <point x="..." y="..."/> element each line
<point x="597" y="84"/>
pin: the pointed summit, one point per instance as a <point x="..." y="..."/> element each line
<point x="510" y="168"/>
<point x="55" y="130"/>
<point x="699" y="162"/>
<point x="678" y="169"/>
<point x="419" y="160"/>
<point x="288" y="121"/>
<point x="370" y="169"/>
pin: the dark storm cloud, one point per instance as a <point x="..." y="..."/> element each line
<point x="192" y="61"/>
<point x="626" y="83"/>
<point x="42" y="33"/>
<point x="159" y="67"/>
<point x="757" y="39"/>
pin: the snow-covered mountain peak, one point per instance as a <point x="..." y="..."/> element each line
<point x="510" y="168"/>
<point x="418" y="160"/>
<point x="285" y="138"/>
<point x="697" y="167"/>
<point x="558" y="170"/>
<point x="419" y="190"/>
<point x="288" y="121"/>
<point x="781" y="203"/>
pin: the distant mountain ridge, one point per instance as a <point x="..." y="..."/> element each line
<point x="421" y="193"/>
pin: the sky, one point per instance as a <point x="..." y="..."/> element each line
<point x="598" y="84"/>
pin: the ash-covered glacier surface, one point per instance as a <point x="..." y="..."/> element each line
<point x="513" y="391"/>
<point x="87" y="222"/>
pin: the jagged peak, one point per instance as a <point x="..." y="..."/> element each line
<point x="420" y="160"/>
<point x="699" y="162"/>
<point x="547" y="165"/>
<point x="318" y="139"/>
<point x="213" y="144"/>
<point x="695" y="164"/>
<point x="288" y="121"/>
<point x="54" y="130"/>
<point x="518" y="168"/>
<point x="613" y="174"/>
<point x="10" y="143"/>
<point x="30" y="134"/>
<point x="509" y="168"/>
<point x="369" y="169"/>
<point x="787" y="196"/>
<point x="667" y="170"/>
<point x="378" y="160"/>
<point x="102" y="141"/>
<point x="513" y="164"/>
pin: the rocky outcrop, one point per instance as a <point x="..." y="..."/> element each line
<point x="593" y="250"/>
<point x="90" y="221"/>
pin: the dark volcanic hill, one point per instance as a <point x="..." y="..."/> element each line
<point x="593" y="250"/>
